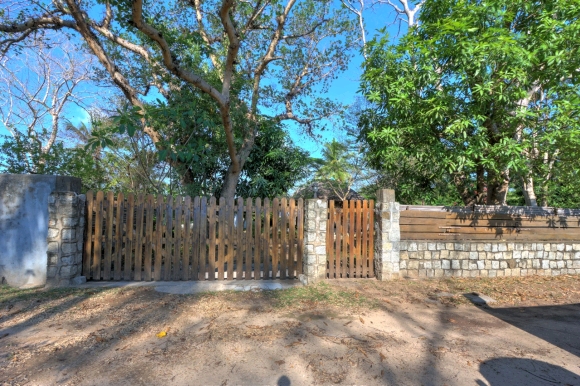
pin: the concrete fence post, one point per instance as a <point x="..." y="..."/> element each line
<point x="66" y="222"/>
<point x="314" y="263"/>
<point x="388" y="235"/>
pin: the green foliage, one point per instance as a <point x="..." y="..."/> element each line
<point x="477" y="90"/>
<point x="23" y="155"/>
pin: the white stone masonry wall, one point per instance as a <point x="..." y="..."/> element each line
<point x="421" y="259"/>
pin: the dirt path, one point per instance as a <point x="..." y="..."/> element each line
<point x="356" y="332"/>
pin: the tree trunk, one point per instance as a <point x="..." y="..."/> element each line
<point x="460" y="183"/>
<point x="497" y="188"/>
<point x="528" y="191"/>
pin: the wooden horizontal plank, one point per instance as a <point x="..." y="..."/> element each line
<point x="528" y="236"/>
<point x="542" y="222"/>
<point x="485" y="230"/>
<point x="488" y="209"/>
<point x="476" y="216"/>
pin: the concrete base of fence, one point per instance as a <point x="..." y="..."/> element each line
<point x="192" y="287"/>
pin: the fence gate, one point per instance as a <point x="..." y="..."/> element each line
<point x="350" y="239"/>
<point x="180" y="238"/>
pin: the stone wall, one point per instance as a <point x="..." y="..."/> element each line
<point x="24" y="225"/>
<point x="387" y="235"/>
<point x="420" y="259"/>
<point x="65" y="238"/>
<point x="314" y="264"/>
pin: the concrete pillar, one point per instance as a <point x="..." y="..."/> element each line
<point x="66" y="222"/>
<point x="388" y="235"/>
<point x="314" y="264"/>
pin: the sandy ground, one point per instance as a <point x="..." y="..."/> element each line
<point x="343" y="332"/>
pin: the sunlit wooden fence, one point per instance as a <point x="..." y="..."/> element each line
<point x="350" y="239"/>
<point x="142" y="237"/>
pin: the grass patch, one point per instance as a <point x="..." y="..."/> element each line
<point x="320" y="294"/>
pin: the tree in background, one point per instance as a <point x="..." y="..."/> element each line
<point x="247" y="57"/>
<point x="39" y="86"/>
<point x="480" y="96"/>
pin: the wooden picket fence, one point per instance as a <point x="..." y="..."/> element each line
<point x="180" y="238"/>
<point x="350" y="239"/>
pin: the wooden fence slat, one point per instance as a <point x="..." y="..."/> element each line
<point x="266" y="239"/>
<point x="344" y="243"/>
<point x="284" y="238"/>
<point x="118" y="237"/>
<point x="212" y="242"/>
<point x="231" y="237"/>
<point x="221" y="238"/>
<point x="240" y="239"/>
<point x="331" y="235"/>
<point x="338" y="242"/>
<point x="365" y="224"/>
<point x="371" y="230"/>
<point x="89" y="231"/>
<point x="168" y="239"/>
<point x="249" y="240"/>
<point x="203" y="227"/>
<point x="177" y="238"/>
<point x="109" y="223"/>
<point x="147" y="258"/>
<point x="97" y="252"/>
<point x="128" y="261"/>
<point x="353" y="231"/>
<point x="196" y="239"/>
<point x="300" y="238"/>
<point x="139" y="238"/>
<point x="187" y="236"/>
<point x="159" y="219"/>
<point x="292" y="239"/>
<point x="275" y="237"/>
<point x="257" y="238"/>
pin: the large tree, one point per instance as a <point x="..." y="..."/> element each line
<point x="249" y="57"/>
<point x="479" y="93"/>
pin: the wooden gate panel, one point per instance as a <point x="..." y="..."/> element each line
<point x="349" y="240"/>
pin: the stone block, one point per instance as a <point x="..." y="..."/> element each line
<point x="421" y="246"/>
<point x="487" y="247"/>
<point x="427" y="265"/>
<point x="431" y="246"/>
<point x="445" y="264"/>
<point x="445" y="254"/>
<point x="403" y="264"/>
<point x="438" y="273"/>
<point x="464" y="264"/>
<point x="69" y="248"/>
<point x="545" y="264"/>
<point x="427" y="255"/>
<point x="480" y="264"/>
<point x="494" y="247"/>
<point x="500" y="273"/>
<point x="449" y="246"/>
<point x="51" y="272"/>
<point x="422" y="273"/>
<point x="510" y="246"/>
<point x="437" y="264"/>
<point x="52" y="247"/>
<point x="320" y="250"/>
<point x="412" y="247"/>
<point x="68" y="234"/>
<point x="568" y="247"/>
<point x="53" y="233"/>
<point x="495" y="264"/>
<point x="413" y="265"/>
<point x="480" y="247"/>
<point x="484" y="273"/>
<point x="472" y="265"/>
<point x="502" y="247"/>
<point x="560" y="247"/>
<point x="440" y="246"/>
<point x="473" y="255"/>
<point x="458" y="246"/>
<point x="455" y="264"/>
<point x="482" y="255"/>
